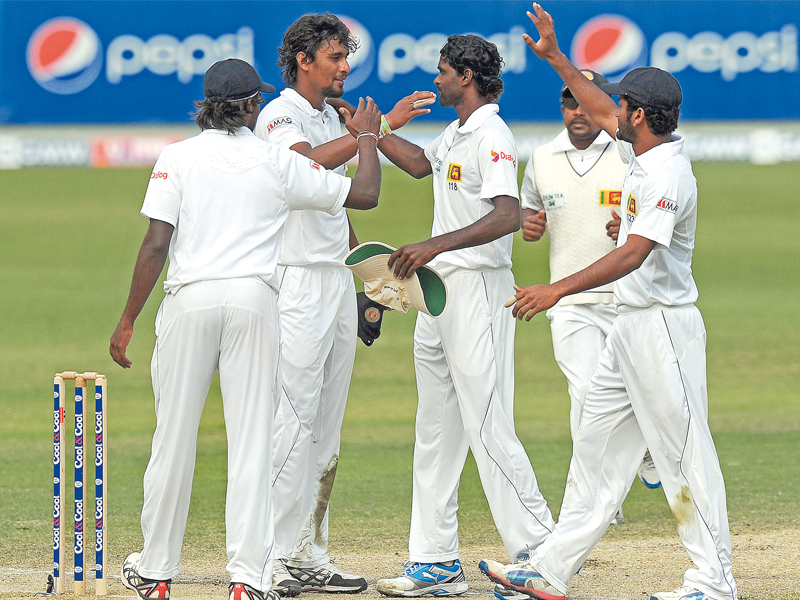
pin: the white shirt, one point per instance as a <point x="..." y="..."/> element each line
<point x="579" y="190"/>
<point x="311" y="237"/>
<point x="228" y="197"/>
<point x="659" y="199"/>
<point x="471" y="165"/>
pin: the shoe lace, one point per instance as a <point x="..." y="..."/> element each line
<point x="647" y="461"/>
<point x="410" y="568"/>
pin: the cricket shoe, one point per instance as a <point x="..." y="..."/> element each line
<point x="327" y="578"/>
<point x="145" y="588"/>
<point x="242" y="591"/>
<point x="682" y="593"/>
<point x="282" y="581"/>
<point x="618" y="519"/>
<point x="520" y="577"/>
<point x="426" y="579"/>
<point x="648" y="473"/>
<point x="501" y="592"/>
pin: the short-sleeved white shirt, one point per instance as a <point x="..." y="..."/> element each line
<point x="471" y="165"/>
<point x="310" y="237"/>
<point x="659" y="202"/>
<point x="228" y="197"/>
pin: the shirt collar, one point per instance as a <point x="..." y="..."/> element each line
<point x="562" y="143"/>
<point x="296" y="98"/>
<point x="239" y="131"/>
<point x="655" y="157"/>
<point x="478" y="117"/>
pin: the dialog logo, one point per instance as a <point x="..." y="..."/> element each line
<point x="362" y="61"/>
<point x="609" y="44"/>
<point x="64" y="55"/>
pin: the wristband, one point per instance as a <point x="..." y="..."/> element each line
<point x="385" y="129"/>
<point x="363" y="133"/>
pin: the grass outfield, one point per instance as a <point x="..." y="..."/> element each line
<point x="69" y="241"/>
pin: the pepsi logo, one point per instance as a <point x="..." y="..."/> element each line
<point x="609" y="44"/>
<point x="64" y="55"/>
<point x="362" y="61"/>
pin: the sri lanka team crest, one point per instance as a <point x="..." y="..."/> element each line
<point x="631" y="208"/>
<point x="454" y="172"/>
<point x="610" y="197"/>
<point x="64" y="55"/>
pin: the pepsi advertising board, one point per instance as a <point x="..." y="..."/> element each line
<point x="143" y="62"/>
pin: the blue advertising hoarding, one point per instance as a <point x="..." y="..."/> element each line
<point x="142" y="62"/>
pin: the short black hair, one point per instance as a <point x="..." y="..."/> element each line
<point x="308" y="34"/>
<point x="229" y="116"/>
<point x="660" y="121"/>
<point x="471" y="52"/>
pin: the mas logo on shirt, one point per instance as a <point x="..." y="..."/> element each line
<point x="159" y="175"/>
<point x="278" y="122"/>
<point x="454" y="172"/>
<point x="610" y="197"/>
<point x="667" y="205"/>
<point x="631" y="209"/>
<point x="315" y="165"/>
<point x="498" y="156"/>
<point x="437" y="166"/>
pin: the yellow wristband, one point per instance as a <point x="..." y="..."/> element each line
<point x="385" y="129"/>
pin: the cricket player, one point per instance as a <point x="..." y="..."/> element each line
<point x="217" y="205"/>
<point x="649" y="389"/>
<point x="572" y="188"/>
<point x="317" y="303"/>
<point x="464" y="360"/>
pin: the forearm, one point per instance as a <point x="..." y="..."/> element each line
<point x="496" y="224"/>
<point x="407" y="156"/>
<point x="366" y="186"/>
<point x="149" y="264"/>
<point x="353" y="237"/>
<point x="330" y="155"/>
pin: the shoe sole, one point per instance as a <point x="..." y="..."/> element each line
<point x="337" y="589"/>
<point x="445" y="589"/>
<point x="652" y="486"/>
<point x="538" y="594"/>
<point x="287" y="591"/>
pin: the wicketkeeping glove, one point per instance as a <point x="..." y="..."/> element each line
<point x="370" y="316"/>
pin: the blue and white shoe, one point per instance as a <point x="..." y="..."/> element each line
<point x="682" y="593"/>
<point x="521" y="578"/>
<point x="426" y="579"/>
<point x="647" y="472"/>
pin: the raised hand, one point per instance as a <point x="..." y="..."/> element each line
<point x="547" y="46"/>
<point x="404" y="110"/>
<point x="366" y="118"/>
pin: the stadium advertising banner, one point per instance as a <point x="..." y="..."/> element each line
<point x="143" y="62"/>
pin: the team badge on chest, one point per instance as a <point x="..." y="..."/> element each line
<point x="631" y="209"/>
<point x="610" y="197"/>
<point x="454" y="172"/>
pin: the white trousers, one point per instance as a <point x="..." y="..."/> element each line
<point x="649" y="391"/>
<point x="465" y="381"/>
<point x="230" y="325"/>
<point x="319" y="325"/>
<point x="579" y="335"/>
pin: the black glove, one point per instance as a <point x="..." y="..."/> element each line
<point x="370" y="316"/>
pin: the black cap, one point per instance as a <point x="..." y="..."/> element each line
<point x="649" y="86"/>
<point x="233" y="79"/>
<point x="593" y="76"/>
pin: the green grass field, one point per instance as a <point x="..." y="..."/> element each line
<point x="68" y="245"/>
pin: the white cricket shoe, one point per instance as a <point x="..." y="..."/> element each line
<point x="426" y="579"/>
<point x="648" y="473"/>
<point x="682" y="593"/>
<point x="327" y="578"/>
<point x="242" y="591"/>
<point x="520" y="577"/>
<point x="144" y="588"/>
<point x="282" y="580"/>
<point x="619" y="518"/>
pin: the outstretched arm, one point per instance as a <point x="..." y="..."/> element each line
<point x="602" y="109"/>
<point x="149" y="264"/>
<point x="364" y="124"/>
<point x="504" y="219"/>
<point x="616" y="264"/>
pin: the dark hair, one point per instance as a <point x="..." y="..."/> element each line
<point x="223" y="115"/>
<point x="660" y="121"/>
<point x="471" y="52"/>
<point x="308" y="34"/>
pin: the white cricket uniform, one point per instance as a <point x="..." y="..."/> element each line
<point x="464" y="360"/>
<point x="228" y="197"/>
<point x="650" y="390"/>
<point x="319" y="324"/>
<point x="578" y="190"/>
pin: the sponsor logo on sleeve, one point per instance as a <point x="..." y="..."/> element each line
<point x="278" y="122"/>
<point x="610" y="197"/>
<point x="159" y="175"/>
<point x="454" y="172"/>
<point x="498" y="156"/>
<point x="667" y="205"/>
<point x="315" y="165"/>
<point x="631" y="209"/>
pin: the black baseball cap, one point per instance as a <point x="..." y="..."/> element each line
<point x="649" y="86"/>
<point x="233" y="79"/>
<point x="593" y="76"/>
